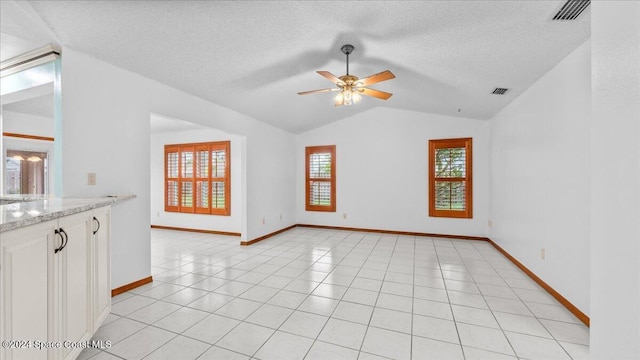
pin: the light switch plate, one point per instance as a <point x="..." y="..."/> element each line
<point x="91" y="178"/>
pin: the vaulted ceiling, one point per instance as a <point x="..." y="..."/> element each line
<point x="255" y="56"/>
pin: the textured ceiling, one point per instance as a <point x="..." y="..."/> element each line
<point x="254" y="56"/>
<point x="20" y="34"/>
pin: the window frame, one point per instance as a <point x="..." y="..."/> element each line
<point x="467" y="144"/>
<point x="210" y="147"/>
<point x="309" y="150"/>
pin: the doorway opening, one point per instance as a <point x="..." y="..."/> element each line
<point x="26" y="172"/>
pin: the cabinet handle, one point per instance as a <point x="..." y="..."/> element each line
<point x="57" y="232"/>
<point x="98" y="221"/>
<point x="66" y="239"/>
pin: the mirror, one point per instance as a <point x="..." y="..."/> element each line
<point x="28" y="122"/>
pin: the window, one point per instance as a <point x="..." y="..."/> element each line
<point x="197" y="178"/>
<point x="320" y="178"/>
<point x="450" y="178"/>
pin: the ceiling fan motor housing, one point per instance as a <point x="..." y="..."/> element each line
<point x="349" y="79"/>
<point x="347" y="49"/>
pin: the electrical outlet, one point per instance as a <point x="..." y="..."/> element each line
<point x="490" y="223"/>
<point x="263" y="221"/>
<point x="91" y="178"/>
<point x="344" y="216"/>
<point x="542" y="253"/>
<point x="280" y="216"/>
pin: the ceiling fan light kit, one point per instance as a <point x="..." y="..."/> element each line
<point x="350" y="87"/>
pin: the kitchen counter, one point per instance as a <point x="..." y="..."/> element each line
<point x="10" y="199"/>
<point x="29" y="211"/>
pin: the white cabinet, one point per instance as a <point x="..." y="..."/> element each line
<point x="72" y="266"/>
<point x="27" y="278"/>
<point x="101" y="245"/>
<point x="54" y="277"/>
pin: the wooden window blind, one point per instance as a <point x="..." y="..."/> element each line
<point x="450" y="178"/>
<point x="320" y="179"/>
<point x="198" y="178"/>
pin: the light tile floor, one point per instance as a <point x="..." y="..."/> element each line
<point x="325" y="294"/>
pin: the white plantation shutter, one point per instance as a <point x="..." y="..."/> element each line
<point x="218" y="185"/>
<point x="450" y="178"/>
<point x="171" y="155"/>
<point x="197" y="178"/>
<point x="202" y="166"/>
<point x="320" y="178"/>
<point x="186" y="179"/>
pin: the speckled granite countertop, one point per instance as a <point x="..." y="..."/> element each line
<point x="18" y="214"/>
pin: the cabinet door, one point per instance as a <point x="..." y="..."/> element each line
<point x="27" y="311"/>
<point x="101" y="265"/>
<point x="75" y="296"/>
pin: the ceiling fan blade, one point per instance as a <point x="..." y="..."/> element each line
<point x="317" y="91"/>
<point x="376" y="93"/>
<point x="376" y="78"/>
<point x="334" y="79"/>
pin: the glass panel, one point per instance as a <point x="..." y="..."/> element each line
<point x="320" y="193"/>
<point x="187" y="164"/>
<point x="202" y="164"/>
<point x="187" y="194"/>
<point x="450" y="162"/>
<point x="320" y="166"/>
<point x="218" y="160"/>
<point x="172" y="193"/>
<point x="203" y="194"/>
<point x="33" y="91"/>
<point x="29" y="78"/>
<point x="217" y="195"/>
<point x="458" y="195"/>
<point x="443" y="195"/>
<point x="172" y="165"/>
<point x="451" y="195"/>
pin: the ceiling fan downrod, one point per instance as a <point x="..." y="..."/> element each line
<point x="347" y="49"/>
<point x="350" y="86"/>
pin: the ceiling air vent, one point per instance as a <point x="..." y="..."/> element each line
<point x="571" y="9"/>
<point x="499" y="91"/>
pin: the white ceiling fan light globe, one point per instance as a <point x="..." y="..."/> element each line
<point x="346" y="95"/>
<point x="356" y="97"/>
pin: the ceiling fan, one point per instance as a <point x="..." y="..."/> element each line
<point x="350" y="86"/>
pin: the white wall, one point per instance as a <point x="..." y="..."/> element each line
<point x="106" y="130"/>
<point x="540" y="177"/>
<point x="382" y="171"/>
<point x="27" y="124"/>
<point x="232" y="223"/>
<point x="615" y="185"/>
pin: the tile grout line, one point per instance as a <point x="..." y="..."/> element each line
<point x="248" y="261"/>
<point x="307" y="296"/>
<point x="455" y="323"/>
<point x="329" y="317"/>
<point x="490" y="310"/>
<point x="379" y="292"/>
<point x="528" y="308"/>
